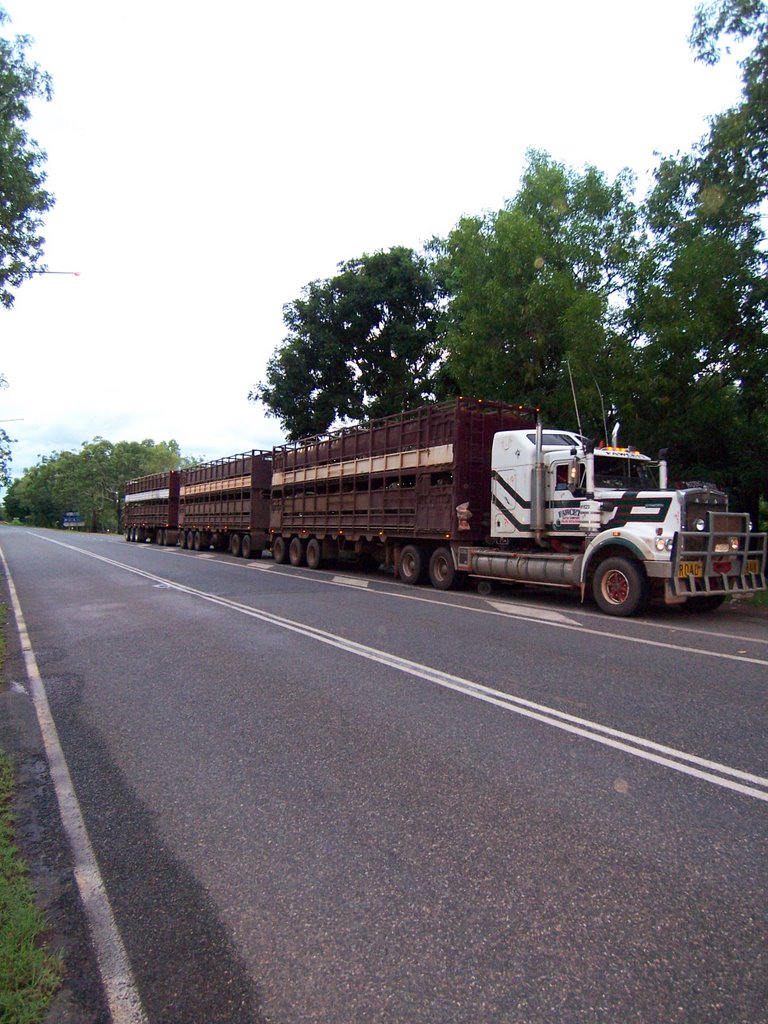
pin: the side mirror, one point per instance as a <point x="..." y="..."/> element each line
<point x="574" y="476"/>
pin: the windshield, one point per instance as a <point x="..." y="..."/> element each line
<point x="623" y="473"/>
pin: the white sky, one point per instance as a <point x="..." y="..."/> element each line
<point x="209" y="160"/>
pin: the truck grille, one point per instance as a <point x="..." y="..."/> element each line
<point x="698" y="503"/>
<point x="724" y="558"/>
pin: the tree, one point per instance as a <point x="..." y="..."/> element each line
<point x="699" y="309"/>
<point x="736" y="151"/>
<point x="91" y="482"/>
<point x="5" y="446"/>
<point x="539" y="287"/>
<point x="23" y="200"/>
<point x="363" y="343"/>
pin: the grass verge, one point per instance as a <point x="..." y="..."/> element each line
<point x="29" y="974"/>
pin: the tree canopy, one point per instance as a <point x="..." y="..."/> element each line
<point x="537" y="290"/>
<point x="90" y="481"/>
<point x="23" y="199"/>
<point x="362" y="343"/>
<point x="698" y="312"/>
<point x="653" y="311"/>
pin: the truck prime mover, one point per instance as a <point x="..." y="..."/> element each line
<point x="473" y="489"/>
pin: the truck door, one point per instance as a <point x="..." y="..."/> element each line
<point x="562" y="513"/>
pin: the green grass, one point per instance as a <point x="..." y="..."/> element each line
<point x="29" y="974"/>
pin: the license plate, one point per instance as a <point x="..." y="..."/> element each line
<point x="752" y="566"/>
<point x="687" y="569"/>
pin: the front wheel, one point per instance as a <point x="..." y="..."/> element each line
<point x="619" y="587"/>
<point x="442" y="572"/>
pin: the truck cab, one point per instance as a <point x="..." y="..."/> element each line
<point x="604" y="519"/>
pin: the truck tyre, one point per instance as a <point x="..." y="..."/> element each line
<point x="234" y="545"/>
<point x="314" y="553"/>
<point x="279" y="550"/>
<point x="710" y="603"/>
<point x="159" y="537"/>
<point x="297" y="552"/>
<point x="245" y="546"/>
<point x="442" y="572"/>
<point x="619" y="587"/>
<point x="412" y="565"/>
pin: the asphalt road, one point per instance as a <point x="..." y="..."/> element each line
<point x="327" y="797"/>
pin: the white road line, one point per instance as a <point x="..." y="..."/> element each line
<point x="351" y="581"/>
<point x="648" y="750"/>
<point x="529" y="611"/>
<point x="515" y="610"/>
<point x="119" y="985"/>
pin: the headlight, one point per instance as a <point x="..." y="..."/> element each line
<point x="663" y="543"/>
<point x="700" y="525"/>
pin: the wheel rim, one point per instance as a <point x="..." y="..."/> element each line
<point x="409" y="565"/>
<point x="440" y="569"/>
<point x="615" y="587"/>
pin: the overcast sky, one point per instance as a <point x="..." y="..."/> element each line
<point x="209" y="160"/>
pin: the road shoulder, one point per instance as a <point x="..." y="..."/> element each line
<point x="41" y="841"/>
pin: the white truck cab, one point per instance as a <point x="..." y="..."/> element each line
<point x="567" y="513"/>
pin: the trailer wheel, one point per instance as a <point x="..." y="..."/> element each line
<point x="314" y="553"/>
<point x="412" y="565"/>
<point x="234" y="545"/>
<point x="279" y="550"/>
<point x="619" y="587"/>
<point x="245" y="546"/>
<point x="442" y="572"/>
<point x="297" y="552"/>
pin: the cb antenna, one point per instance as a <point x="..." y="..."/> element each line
<point x="602" y="405"/>
<point x="573" y="392"/>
